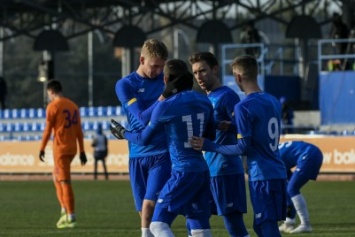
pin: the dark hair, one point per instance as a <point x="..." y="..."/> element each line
<point x="55" y="86"/>
<point x="178" y="74"/>
<point x="208" y="57"/>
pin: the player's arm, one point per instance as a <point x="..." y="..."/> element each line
<point x="80" y="137"/>
<point x="200" y="143"/>
<point x="145" y="136"/>
<point x="133" y="105"/>
<point x="227" y="105"/>
<point x="243" y="142"/>
<point x="48" y="128"/>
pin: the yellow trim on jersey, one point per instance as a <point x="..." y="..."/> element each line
<point x="239" y="136"/>
<point x="131" y="101"/>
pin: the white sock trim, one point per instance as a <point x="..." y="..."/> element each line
<point x="201" y="233"/>
<point x="160" y="229"/>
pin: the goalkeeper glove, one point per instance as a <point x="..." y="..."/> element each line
<point x="83" y="158"/>
<point x="117" y="129"/>
<point x="41" y="156"/>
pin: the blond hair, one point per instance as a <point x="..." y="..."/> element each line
<point x="247" y="66"/>
<point x="154" y="48"/>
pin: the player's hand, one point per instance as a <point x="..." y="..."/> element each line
<point x="224" y="125"/>
<point x="197" y="143"/>
<point x="183" y="82"/>
<point x="83" y="158"/>
<point x="117" y="129"/>
<point x="41" y="156"/>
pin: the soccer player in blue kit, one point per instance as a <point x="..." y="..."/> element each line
<point x="307" y="160"/>
<point x="149" y="165"/>
<point x="181" y="115"/>
<point x="258" y="120"/>
<point x="227" y="180"/>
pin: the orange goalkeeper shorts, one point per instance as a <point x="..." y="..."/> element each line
<point x="62" y="166"/>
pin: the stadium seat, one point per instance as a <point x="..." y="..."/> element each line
<point x="41" y="113"/>
<point x="15" y="113"/>
<point x="35" y="127"/>
<point x="18" y="127"/>
<point x="23" y="113"/>
<point x="109" y="110"/>
<point x="92" y="111"/>
<point x="105" y="125"/>
<point x="2" y="127"/>
<point x="83" y="112"/>
<point x="42" y="126"/>
<point x="6" y="114"/>
<point x="26" y="126"/>
<point x="113" y="111"/>
<point x="119" y="111"/>
<point x="101" y="111"/>
<point x="31" y="113"/>
<point x="9" y="127"/>
<point x="87" y="125"/>
<point x="95" y="125"/>
<point x="4" y="137"/>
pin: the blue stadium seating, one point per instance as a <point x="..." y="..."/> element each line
<point x="24" y="113"/>
<point x="18" y="127"/>
<point x="101" y="111"/>
<point x="2" y="127"/>
<point x="84" y="112"/>
<point x="28" y="124"/>
<point x="6" y="114"/>
<point x="105" y="125"/>
<point x="87" y="125"/>
<point x="41" y="113"/>
<point x="32" y="113"/>
<point x="92" y="111"/>
<point x="9" y="127"/>
<point x="15" y="113"/>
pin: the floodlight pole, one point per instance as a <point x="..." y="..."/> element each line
<point x="90" y="68"/>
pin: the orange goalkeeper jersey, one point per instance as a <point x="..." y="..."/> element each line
<point x="63" y="117"/>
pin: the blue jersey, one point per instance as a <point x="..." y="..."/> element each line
<point x="223" y="100"/>
<point x="181" y="116"/>
<point x="138" y="96"/>
<point x="258" y="119"/>
<point x="294" y="152"/>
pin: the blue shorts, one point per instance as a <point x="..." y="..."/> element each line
<point x="269" y="200"/>
<point x="309" y="166"/>
<point x="229" y="194"/>
<point x="185" y="193"/>
<point x="148" y="175"/>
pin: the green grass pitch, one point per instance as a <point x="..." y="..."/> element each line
<point x="105" y="208"/>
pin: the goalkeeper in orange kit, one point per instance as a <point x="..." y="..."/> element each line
<point x="63" y="117"/>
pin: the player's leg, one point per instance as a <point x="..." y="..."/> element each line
<point x="59" y="192"/>
<point x="289" y="224"/>
<point x="95" y="168"/>
<point x="161" y="222"/>
<point x="198" y="212"/>
<point x="64" y="178"/>
<point x="137" y="174"/>
<point x="296" y="183"/>
<point x="159" y="167"/>
<point x="234" y="224"/>
<point x="229" y="194"/>
<point x="105" y="167"/>
<point x="172" y="196"/>
<point x="268" y="198"/>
